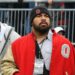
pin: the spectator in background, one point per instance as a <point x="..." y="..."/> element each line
<point x="47" y="4"/>
<point x="39" y="53"/>
<point x="50" y="1"/>
<point x="59" y="30"/>
<point x="7" y="36"/>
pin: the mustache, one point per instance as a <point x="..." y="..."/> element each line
<point x="43" y="22"/>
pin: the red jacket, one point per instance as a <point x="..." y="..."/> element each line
<point x="62" y="59"/>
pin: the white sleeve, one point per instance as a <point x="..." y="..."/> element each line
<point x="13" y="36"/>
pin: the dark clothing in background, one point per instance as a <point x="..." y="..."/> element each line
<point x="71" y="16"/>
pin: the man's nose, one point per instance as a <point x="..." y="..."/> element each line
<point x="43" y="17"/>
<point x="43" y="20"/>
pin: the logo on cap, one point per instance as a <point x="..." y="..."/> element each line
<point x="38" y="11"/>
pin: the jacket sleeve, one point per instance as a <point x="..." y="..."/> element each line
<point x="8" y="66"/>
<point x="70" y="62"/>
<point x="13" y="36"/>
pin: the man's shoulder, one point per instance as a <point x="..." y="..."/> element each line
<point x="5" y="25"/>
<point x="23" y="39"/>
<point x="61" y="39"/>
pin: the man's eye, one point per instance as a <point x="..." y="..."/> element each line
<point x="46" y="16"/>
<point x="38" y="15"/>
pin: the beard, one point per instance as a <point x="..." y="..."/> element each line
<point x="41" y="29"/>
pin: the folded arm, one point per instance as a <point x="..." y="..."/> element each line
<point x="8" y="67"/>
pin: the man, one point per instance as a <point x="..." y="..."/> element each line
<point x="7" y="36"/>
<point x="39" y="53"/>
<point x="59" y="30"/>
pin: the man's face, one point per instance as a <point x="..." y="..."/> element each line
<point x="41" y="23"/>
<point x="61" y="33"/>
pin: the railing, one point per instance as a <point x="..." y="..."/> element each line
<point x="47" y="0"/>
<point x="7" y="1"/>
<point x="19" y="19"/>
